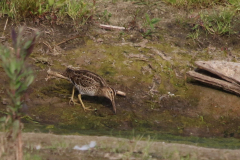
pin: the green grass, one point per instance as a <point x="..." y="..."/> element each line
<point x="28" y="156"/>
<point x="80" y="11"/>
<point x="218" y="22"/>
<point x="196" y="3"/>
<point x="194" y="35"/>
<point x="24" y="8"/>
<point x="235" y="4"/>
<point x="106" y="16"/>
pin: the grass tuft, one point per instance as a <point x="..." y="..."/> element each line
<point x="197" y="3"/>
<point x="80" y="11"/>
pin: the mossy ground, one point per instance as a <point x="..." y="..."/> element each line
<point x="174" y="106"/>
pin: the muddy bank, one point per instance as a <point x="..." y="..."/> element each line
<point x="117" y="148"/>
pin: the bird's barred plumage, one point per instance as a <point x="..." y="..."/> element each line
<point x="91" y="84"/>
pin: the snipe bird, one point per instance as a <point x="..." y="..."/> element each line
<point x="89" y="83"/>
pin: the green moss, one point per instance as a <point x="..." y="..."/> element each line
<point x="113" y="62"/>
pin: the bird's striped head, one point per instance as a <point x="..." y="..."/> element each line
<point x="110" y="93"/>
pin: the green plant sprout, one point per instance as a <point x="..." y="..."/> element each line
<point x="20" y="77"/>
<point x="149" y="25"/>
<point x="106" y="16"/>
<point x="195" y="34"/>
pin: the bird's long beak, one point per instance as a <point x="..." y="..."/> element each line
<point x="114" y="107"/>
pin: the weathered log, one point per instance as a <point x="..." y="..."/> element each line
<point x="231" y="87"/>
<point x="230" y="71"/>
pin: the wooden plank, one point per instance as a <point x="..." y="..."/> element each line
<point x="234" y="88"/>
<point x="230" y="71"/>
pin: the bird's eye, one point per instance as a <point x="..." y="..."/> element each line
<point x="110" y="91"/>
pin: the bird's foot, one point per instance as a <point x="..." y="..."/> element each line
<point x="87" y="108"/>
<point x="72" y="102"/>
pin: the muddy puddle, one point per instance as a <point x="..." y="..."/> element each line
<point x="161" y="100"/>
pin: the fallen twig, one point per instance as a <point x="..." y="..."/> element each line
<point x="161" y="54"/>
<point x="140" y="57"/>
<point x="67" y="40"/>
<point x="5" y="24"/>
<point x="48" y="45"/>
<point x="110" y="27"/>
<point x="5" y="27"/>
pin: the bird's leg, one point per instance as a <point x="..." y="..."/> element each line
<point x="72" y="100"/>
<point x="85" y="108"/>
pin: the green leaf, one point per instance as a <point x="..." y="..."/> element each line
<point x="12" y="66"/>
<point x="60" y="3"/>
<point x="17" y="85"/>
<point x="7" y="70"/>
<point x="195" y="27"/>
<point x="11" y="108"/>
<point x="50" y="2"/>
<point x="29" y="80"/>
<point x="27" y="44"/>
<point x="155" y="20"/>
<point x="151" y="26"/>
<point x="147" y="18"/>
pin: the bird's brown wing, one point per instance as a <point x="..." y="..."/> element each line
<point x="86" y="78"/>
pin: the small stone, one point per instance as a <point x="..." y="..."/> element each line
<point x="38" y="147"/>
<point x="99" y="40"/>
<point x="5" y="101"/>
